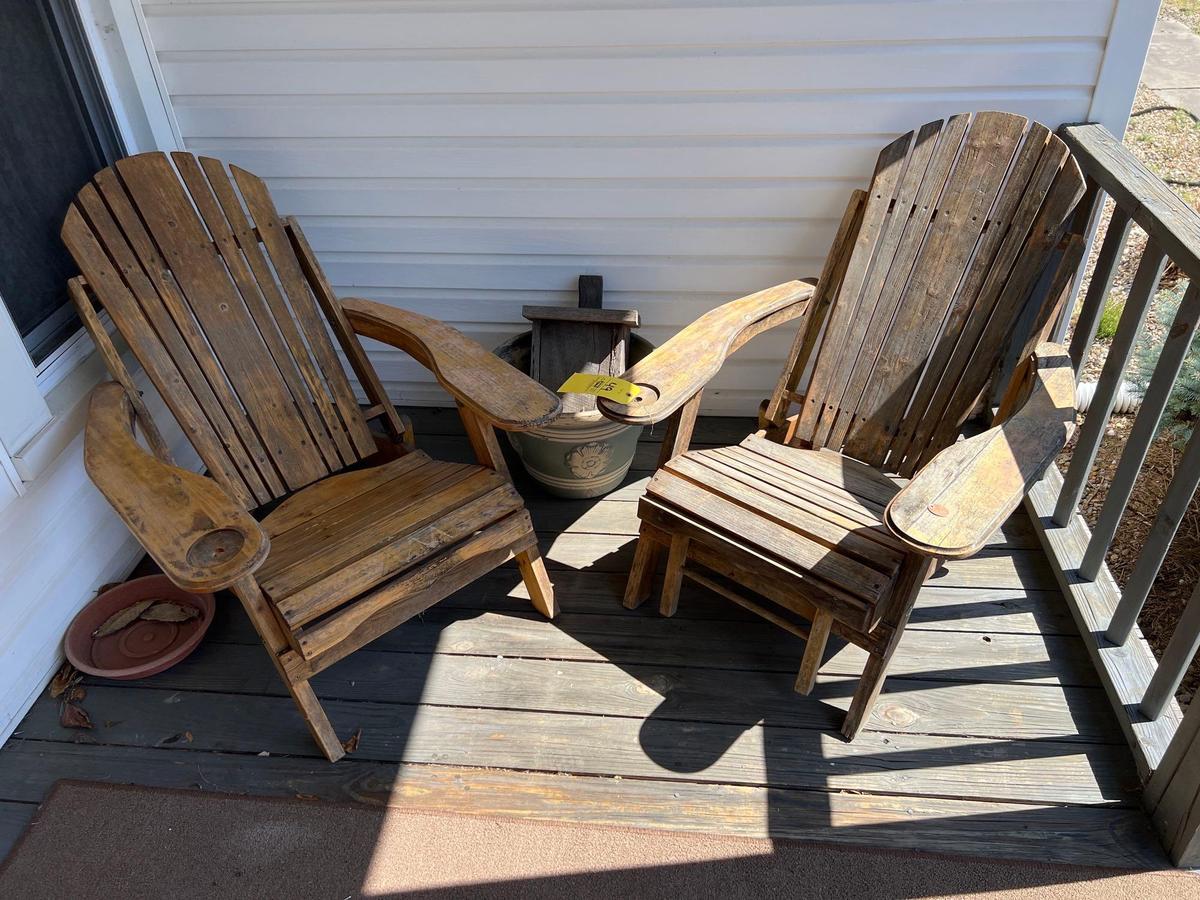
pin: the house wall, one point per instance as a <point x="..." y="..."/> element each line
<point x="465" y="157"/>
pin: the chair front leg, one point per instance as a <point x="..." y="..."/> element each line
<point x="913" y="573"/>
<point x="537" y="581"/>
<point x="673" y="580"/>
<point x="271" y="632"/>
<point x="641" y="573"/>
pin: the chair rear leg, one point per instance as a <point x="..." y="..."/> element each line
<point x="814" y="650"/>
<point x="641" y="573"/>
<point x="271" y="632"/>
<point x="537" y="581"/>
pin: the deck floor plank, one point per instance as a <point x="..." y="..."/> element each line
<point x="1086" y="835"/>
<point x="690" y="694"/>
<point x="991" y="738"/>
<point x="1032" y="771"/>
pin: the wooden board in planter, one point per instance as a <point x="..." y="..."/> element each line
<point x="585" y="339"/>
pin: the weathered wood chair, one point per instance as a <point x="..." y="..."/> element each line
<point x="930" y="280"/>
<point x="224" y="305"/>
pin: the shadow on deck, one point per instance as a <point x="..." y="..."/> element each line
<point x="993" y="736"/>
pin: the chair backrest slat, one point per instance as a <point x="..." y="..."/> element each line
<point x="289" y="358"/>
<point x="341" y="409"/>
<point x="961" y="219"/>
<point x="248" y="369"/>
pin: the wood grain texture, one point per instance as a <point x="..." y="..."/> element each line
<point x="957" y="500"/>
<point x="679" y="369"/>
<point x="910" y="704"/>
<point x="790" y="759"/>
<point x="1091" y="835"/>
<point x="224" y="316"/>
<point x="77" y="288"/>
<point x="202" y="538"/>
<point x="474" y="377"/>
<point x="368" y="378"/>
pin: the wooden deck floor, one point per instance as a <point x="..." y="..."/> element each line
<point x="993" y="736"/>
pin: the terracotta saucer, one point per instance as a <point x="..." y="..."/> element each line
<point x="143" y="648"/>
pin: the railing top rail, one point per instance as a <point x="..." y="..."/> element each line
<point x="1151" y="203"/>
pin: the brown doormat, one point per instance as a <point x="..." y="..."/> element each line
<point x="112" y="841"/>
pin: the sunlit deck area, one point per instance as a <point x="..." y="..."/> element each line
<point x="993" y="735"/>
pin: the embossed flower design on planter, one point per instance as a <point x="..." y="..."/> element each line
<point x="589" y="460"/>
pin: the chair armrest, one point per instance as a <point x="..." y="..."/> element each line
<point x="474" y="376"/>
<point x="676" y="371"/>
<point x="958" y="500"/>
<point x="200" y="536"/>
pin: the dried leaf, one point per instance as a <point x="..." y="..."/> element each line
<point x="76" y="693"/>
<point x="74" y="716"/>
<point x="64" y="678"/>
<point x="351" y="743"/>
<point x="170" y="611"/>
<point x="185" y="736"/>
<point x="122" y="619"/>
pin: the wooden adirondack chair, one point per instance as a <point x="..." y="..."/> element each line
<point x="931" y="278"/>
<point x="224" y="305"/>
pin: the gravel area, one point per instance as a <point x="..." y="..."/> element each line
<point x="1185" y="11"/>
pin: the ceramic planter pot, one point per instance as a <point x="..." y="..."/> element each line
<point x="579" y="454"/>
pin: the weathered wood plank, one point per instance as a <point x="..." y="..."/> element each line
<point x="673" y="692"/>
<point x="933" y="655"/>
<point x="1097" y="836"/>
<point x="740" y="753"/>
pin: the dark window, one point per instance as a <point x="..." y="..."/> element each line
<point x="55" y="131"/>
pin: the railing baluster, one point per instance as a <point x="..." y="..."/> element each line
<point x="1166" y="370"/>
<point x="1154" y="549"/>
<point x="1102" y="279"/>
<point x="1182" y="647"/>
<point x="1145" y="280"/>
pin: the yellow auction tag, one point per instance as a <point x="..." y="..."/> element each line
<point x="601" y="386"/>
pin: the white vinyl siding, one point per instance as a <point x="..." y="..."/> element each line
<point x="464" y="157"/>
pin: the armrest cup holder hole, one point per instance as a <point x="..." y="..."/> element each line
<point x="215" y="547"/>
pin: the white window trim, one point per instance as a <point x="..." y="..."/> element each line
<point x="42" y="409"/>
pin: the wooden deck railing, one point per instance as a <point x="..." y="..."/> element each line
<point x="1166" y="744"/>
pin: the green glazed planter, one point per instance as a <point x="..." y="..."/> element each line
<point x="578" y="454"/>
